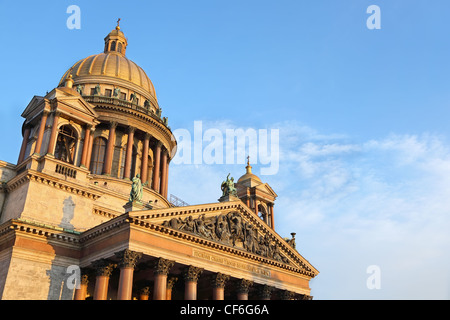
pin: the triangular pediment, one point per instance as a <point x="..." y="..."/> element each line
<point x="70" y="100"/>
<point x="35" y="106"/>
<point x="232" y="224"/>
<point x="267" y="189"/>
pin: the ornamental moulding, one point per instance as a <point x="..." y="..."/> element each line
<point x="35" y="176"/>
<point x="304" y="269"/>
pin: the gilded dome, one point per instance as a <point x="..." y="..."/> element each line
<point x="249" y="176"/>
<point x="112" y="67"/>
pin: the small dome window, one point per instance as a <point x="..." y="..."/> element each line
<point x="113" y="46"/>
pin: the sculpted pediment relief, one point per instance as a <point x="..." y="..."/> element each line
<point x="236" y="227"/>
<point x="231" y="224"/>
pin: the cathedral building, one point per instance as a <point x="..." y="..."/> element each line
<point x="85" y="212"/>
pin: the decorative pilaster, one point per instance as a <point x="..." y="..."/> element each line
<point x="128" y="260"/>
<point x="243" y="287"/>
<point x="218" y="283"/>
<point x="160" y="271"/>
<point x="103" y="269"/>
<point x="191" y="275"/>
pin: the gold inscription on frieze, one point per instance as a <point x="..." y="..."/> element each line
<point x="231" y="263"/>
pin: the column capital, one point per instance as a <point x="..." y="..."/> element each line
<point x="103" y="267"/>
<point x="243" y="285"/>
<point x="286" y="295"/>
<point x="131" y="129"/>
<point x="113" y="124"/>
<point x="171" y="282"/>
<point x="192" y="273"/>
<point x="128" y="258"/>
<point x="162" y="266"/>
<point x="84" y="279"/>
<point x="145" y="291"/>
<point x="219" y="280"/>
<point x="265" y="292"/>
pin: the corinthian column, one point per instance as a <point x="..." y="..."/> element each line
<point x="129" y="153"/>
<point x="191" y="275"/>
<point x="37" y="148"/>
<point x="144" y="163"/>
<point x="243" y="288"/>
<point x="218" y="284"/>
<point x="53" y="134"/>
<point x="80" y="293"/>
<point x="161" y="270"/>
<point x="26" y="136"/>
<point x="110" y="148"/>
<point x="85" y="153"/>
<point x="104" y="269"/>
<point x="170" y="284"/>
<point x="265" y="292"/>
<point x="128" y="260"/>
<point x="157" y="153"/>
<point x="164" y="172"/>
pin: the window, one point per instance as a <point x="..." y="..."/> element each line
<point x="65" y="144"/>
<point x="123" y="96"/>
<point x="98" y="155"/>
<point x="113" y="46"/>
<point x="92" y="91"/>
<point x="108" y="92"/>
<point x="120" y="47"/>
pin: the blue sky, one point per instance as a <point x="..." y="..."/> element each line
<point x="363" y="115"/>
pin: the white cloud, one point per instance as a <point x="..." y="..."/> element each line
<point x="353" y="204"/>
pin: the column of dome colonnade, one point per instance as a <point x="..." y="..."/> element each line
<point x="153" y="174"/>
<point x="164" y="281"/>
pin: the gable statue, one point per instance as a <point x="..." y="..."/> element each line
<point x="227" y="187"/>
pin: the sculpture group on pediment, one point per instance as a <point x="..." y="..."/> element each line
<point x="229" y="229"/>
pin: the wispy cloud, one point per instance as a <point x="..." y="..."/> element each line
<point x="354" y="204"/>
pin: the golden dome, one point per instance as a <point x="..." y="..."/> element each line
<point x="112" y="67"/>
<point x="249" y="176"/>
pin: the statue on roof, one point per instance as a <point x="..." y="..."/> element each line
<point x="228" y="187"/>
<point x="136" y="189"/>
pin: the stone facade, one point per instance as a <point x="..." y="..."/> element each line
<point x="70" y="228"/>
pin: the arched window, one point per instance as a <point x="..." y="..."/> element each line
<point x="65" y="144"/>
<point x="98" y="155"/>
<point x="119" y="47"/>
<point x="113" y="46"/>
